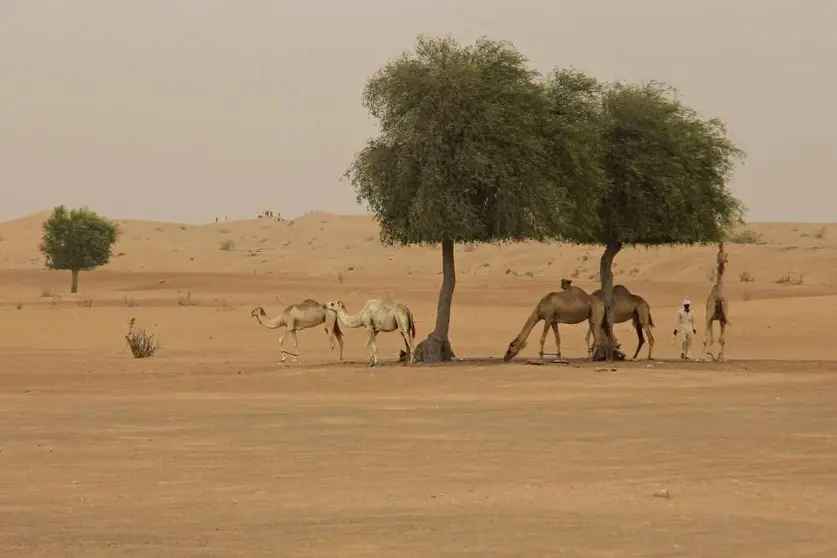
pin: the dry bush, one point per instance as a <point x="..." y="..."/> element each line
<point x="746" y="277"/>
<point x="746" y="236"/>
<point x="790" y="279"/>
<point x="129" y="301"/>
<point x="47" y="292"/>
<point x="141" y="343"/>
<point x="186" y="299"/>
<point x="341" y="278"/>
<point x="86" y="301"/>
<point x="227" y="245"/>
<point x="19" y="306"/>
<point x="820" y="234"/>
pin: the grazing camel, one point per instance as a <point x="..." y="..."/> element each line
<point x="303" y="315"/>
<point x="571" y="305"/>
<point x="379" y="315"/>
<point x="628" y="306"/>
<point x="717" y="309"/>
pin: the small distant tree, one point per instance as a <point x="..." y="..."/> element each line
<point x="664" y="175"/>
<point x="77" y="240"/>
<point x="461" y="157"/>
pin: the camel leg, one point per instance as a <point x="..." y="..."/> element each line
<point x="587" y="340"/>
<point x="408" y="342"/>
<point x="722" y="341"/>
<point x="650" y="341"/>
<point x="708" y="341"/>
<point x="296" y="345"/>
<point x="543" y="337"/>
<point x="340" y="342"/>
<point x="640" y="339"/>
<point x="597" y="340"/>
<point x="282" y="348"/>
<point x="557" y="339"/>
<point x="373" y="347"/>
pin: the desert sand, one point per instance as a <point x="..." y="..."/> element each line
<point x="212" y="448"/>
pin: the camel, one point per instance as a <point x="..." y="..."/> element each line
<point x="570" y="305"/>
<point x="628" y="306"/>
<point x="379" y="314"/>
<point x="717" y="309"/>
<point x="303" y="315"/>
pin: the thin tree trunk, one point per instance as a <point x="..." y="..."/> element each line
<point x="606" y="277"/>
<point x="74" y="286"/>
<point x="436" y="347"/>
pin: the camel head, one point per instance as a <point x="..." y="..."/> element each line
<point x="334" y="306"/>
<point x="566" y="284"/>
<point x="257" y="312"/>
<point x="514" y="348"/>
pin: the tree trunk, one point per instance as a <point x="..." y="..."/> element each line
<point x="436" y="348"/>
<point x="606" y="276"/>
<point x="74" y="285"/>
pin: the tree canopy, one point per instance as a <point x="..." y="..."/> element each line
<point x="77" y="240"/>
<point x="474" y="146"/>
<point x="461" y="155"/>
<point x="662" y="171"/>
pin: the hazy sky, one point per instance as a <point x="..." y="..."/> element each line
<point x="188" y="109"/>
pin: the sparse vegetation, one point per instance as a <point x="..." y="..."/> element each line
<point x="19" y="306"/>
<point x="142" y="343"/>
<point x="47" y="292"/>
<point x="745" y="277"/>
<point x="86" y="301"/>
<point x="341" y="278"/>
<point x="129" y="301"/>
<point x="77" y="240"/>
<point x="820" y="234"/>
<point x="745" y="236"/>
<point x="227" y="245"/>
<point x="186" y="299"/>
<point x="790" y="278"/>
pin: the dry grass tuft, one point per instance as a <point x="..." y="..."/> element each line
<point x="141" y="343"/>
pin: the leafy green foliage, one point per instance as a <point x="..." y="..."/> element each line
<point x="461" y="154"/>
<point x="77" y="240"/>
<point x="665" y="172"/>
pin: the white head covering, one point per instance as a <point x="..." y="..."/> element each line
<point x="686" y="301"/>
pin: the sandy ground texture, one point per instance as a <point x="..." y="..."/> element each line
<point x="211" y="448"/>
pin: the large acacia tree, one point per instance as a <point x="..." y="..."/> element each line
<point x="664" y="173"/>
<point x="461" y="156"/>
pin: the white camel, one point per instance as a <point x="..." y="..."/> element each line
<point x="379" y="315"/>
<point x="303" y="315"/>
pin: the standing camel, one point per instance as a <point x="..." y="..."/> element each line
<point x="571" y="305"/>
<point x="717" y="309"/>
<point x="303" y="315"/>
<point x="378" y="315"/>
<point x="628" y="306"/>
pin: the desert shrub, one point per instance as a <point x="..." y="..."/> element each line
<point x="746" y="277"/>
<point x="141" y="343"/>
<point x="186" y="300"/>
<point x="19" y="306"/>
<point x="820" y="234"/>
<point x="86" y="301"/>
<point x="227" y="245"/>
<point x="790" y="278"/>
<point x="129" y="301"/>
<point x="746" y="236"/>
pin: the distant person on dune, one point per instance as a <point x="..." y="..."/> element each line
<point x="685" y="325"/>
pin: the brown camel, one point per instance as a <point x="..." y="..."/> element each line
<point x="717" y="309"/>
<point x="628" y="306"/>
<point x="570" y="305"/>
<point x="303" y="315"/>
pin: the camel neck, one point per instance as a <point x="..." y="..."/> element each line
<point x="348" y="320"/>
